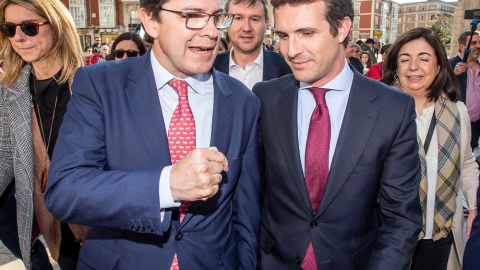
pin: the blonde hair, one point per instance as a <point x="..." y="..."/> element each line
<point x="66" y="44"/>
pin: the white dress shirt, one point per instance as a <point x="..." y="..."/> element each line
<point x="336" y="99"/>
<point x="252" y="74"/>
<point x="200" y="99"/>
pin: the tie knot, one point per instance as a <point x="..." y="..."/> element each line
<point x="180" y="87"/>
<point x="319" y="94"/>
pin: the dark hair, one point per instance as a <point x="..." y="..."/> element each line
<point x="128" y="36"/>
<point x="336" y="11"/>
<point x="463" y="38"/>
<point x="153" y="7"/>
<point x="384" y="48"/>
<point x="370" y="41"/>
<point x="224" y="43"/>
<point x="369" y="63"/>
<point x="359" y="42"/>
<point x="249" y="3"/>
<point x="444" y="82"/>
<point x="88" y="47"/>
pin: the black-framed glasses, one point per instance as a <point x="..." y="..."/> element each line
<point x="198" y="20"/>
<point x="121" y="53"/>
<point x="28" y="28"/>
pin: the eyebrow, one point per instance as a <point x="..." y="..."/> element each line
<point x="422" y="53"/>
<point x="189" y="9"/>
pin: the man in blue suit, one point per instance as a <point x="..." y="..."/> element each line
<point x="341" y="164"/>
<point x="248" y="61"/>
<point x="128" y="121"/>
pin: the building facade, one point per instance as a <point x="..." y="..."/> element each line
<point x="422" y="14"/>
<point x="375" y="19"/>
<point x="103" y="18"/>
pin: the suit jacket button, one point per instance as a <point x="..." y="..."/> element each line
<point x="141" y="228"/>
<point x="298" y="260"/>
<point x="179" y="236"/>
<point x="313" y="224"/>
<point x="150" y="228"/>
<point x="134" y="229"/>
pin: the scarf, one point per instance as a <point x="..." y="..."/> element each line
<point x="448" y="174"/>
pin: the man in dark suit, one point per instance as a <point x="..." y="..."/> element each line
<point x="113" y="168"/>
<point x="248" y="61"/>
<point x="341" y="166"/>
<point x="467" y="75"/>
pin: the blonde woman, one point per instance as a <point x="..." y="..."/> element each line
<point x="41" y="52"/>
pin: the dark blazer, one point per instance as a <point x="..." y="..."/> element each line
<point x="107" y="163"/>
<point x="471" y="258"/>
<point x="375" y="168"/>
<point x="462" y="78"/>
<point x="357" y="64"/>
<point x="274" y="65"/>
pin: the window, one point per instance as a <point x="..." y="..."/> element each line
<point x="77" y="9"/>
<point x="135" y="17"/>
<point x="377" y="7"/>
<point x="376" y="23"/>
<point x="421" y="18"/>
<point x="432" y="17"/>
<point x="355" y="35"/>
<point x="356" y="8"/>
<point x="356" y="22"/>
<point x="106" y="9"/>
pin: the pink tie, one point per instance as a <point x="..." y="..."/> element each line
<point x="181" y="138"/>
<point x="316" y="160"/>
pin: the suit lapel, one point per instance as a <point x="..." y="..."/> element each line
<point x="222" y="119"/>
<point x="285" y="104"/>
<point x="359" y="120"/>
<point x="143" y="100"/>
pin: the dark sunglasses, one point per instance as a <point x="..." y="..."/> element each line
<point x="28" y="28"/>
<point x="130" y="53"/>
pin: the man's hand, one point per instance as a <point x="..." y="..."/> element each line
<point x="460" y="68"/>
<point x="198" y="175"/>
<point x="471" y="216"/>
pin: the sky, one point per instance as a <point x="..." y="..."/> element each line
<point x="410" y="1"/>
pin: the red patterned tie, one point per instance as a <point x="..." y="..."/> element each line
<point x="181" y="137"/>
<point x="316" y="160"/>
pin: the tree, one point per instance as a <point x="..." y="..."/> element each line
<point x="442" y="27"/>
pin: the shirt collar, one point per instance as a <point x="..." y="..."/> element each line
<point x="162" y="76"/>
<point x="342" y="82"/>
<point x="258" y="61"/>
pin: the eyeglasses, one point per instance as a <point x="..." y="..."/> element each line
<point x="198" y="20"/>
<point x="28" y="28"/>
<point x="121" y="53"/>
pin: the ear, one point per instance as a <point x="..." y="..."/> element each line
<point x="149" y="24"/>
<point x="344" y="28"/>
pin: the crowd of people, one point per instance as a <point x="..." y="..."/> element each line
<point x="203" y="152"/>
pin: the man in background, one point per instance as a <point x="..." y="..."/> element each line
<point x="248" y="61"/>
<point x="468" y="76"/>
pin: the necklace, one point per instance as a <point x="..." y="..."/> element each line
<point x="43" y="185"/>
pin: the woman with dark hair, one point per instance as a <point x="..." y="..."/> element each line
<point x="127" y="45"/>
<point x="366" y="61"/>
<point x="417" y="64"/>
<point x="223" y="45"/>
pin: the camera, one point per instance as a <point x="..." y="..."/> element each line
<point x="472" y="14"/>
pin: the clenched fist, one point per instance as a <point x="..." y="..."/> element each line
<point x="198" y="175"/>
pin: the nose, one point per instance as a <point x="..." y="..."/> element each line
<point x="210" y="30"/>
<point x="19" y="35"/>
<point x="294" y="47"/>
<point x="246" y="25"/>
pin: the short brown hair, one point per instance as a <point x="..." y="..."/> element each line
<point x="249" y="3"/>
<point x="153" y="7"/>
<point x="336" y="11"/>
<point x="445" y="82"/>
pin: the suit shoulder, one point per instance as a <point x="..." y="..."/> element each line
<point x="274" y="85"/>
<point x="237" y="87"/>
<point x="221" y="61"/>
